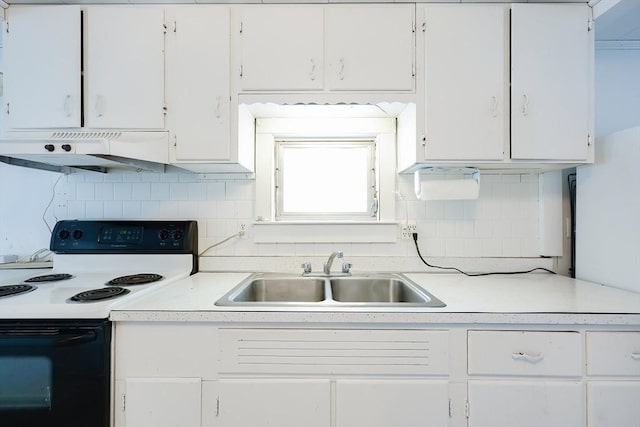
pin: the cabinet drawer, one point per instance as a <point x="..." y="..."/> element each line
<point x="613" y="353"/>
<point x="524" y="353"/>
<point x="305" y="351"/>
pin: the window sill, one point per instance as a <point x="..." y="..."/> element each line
<point x="324" y="232"/>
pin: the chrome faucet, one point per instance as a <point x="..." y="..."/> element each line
<point x="327" y="265"/>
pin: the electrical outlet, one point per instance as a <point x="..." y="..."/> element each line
<point x="243" y="231"/>
<point x="408" y="230"/>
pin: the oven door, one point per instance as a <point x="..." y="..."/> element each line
<point x="54" y="374"/>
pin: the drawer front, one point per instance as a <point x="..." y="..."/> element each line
<point x="304" y="351"/>
<point x="525" y="353"/>
<point x="613" y="353"/>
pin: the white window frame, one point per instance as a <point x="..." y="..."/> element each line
<point x="381" y="229"/>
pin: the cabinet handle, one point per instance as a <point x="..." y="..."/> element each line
<point x="527" y="357"/>
<point x="99" y="105"/>
<point x="341" y="69"/>
<point x="525" y="104"/>
<point x="313" y="70"/>
<point x="494" y="106"/>
<point x="218" y="111"/>
<point x="635" y="356"/>
<point x="67" y="105"/>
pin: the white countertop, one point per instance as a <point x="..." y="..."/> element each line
<point x="526" y="298"/>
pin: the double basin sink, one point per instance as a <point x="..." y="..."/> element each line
<point x="363" y="290"/>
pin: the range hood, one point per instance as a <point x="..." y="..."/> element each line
<point x="98" y="151"/>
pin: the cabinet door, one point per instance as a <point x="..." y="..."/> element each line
<point x="276" y="402"/>
<point x="42" y="75"/>
<point x="391" y="403"/>
<point x="198" y="82"/>
<point x="281" y="47"/>
<point x="526" y="403"/>
<point x="370" y="47"/>
<point x="124" y="73"/>
<point x="465" y="82"/>
<point x="159" y="402"/>
<point x="550" y="81"/>
<point x="613" y="404"/>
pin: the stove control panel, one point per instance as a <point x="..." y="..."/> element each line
<point x="114" y="237"/>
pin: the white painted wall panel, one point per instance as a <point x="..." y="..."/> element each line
<point x="608" y="213"/>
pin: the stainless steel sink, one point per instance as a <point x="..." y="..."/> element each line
<point x="380" y="290"/>
<point x="364" y="290"/>
<point x="280" y="289"/>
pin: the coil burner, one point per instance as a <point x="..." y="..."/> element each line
<point x="11" y="290"/>
<point x="135" y="279"/>
<point x="99" y="294"/>
<point x="49" y="278"/>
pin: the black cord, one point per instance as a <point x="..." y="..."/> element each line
<point x="415" y="240"/>
<point x="572" y="182"/>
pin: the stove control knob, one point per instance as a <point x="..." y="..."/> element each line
<point x="77" y="234"/>
<point x="164" y="234"/>
<point x="49" y="147"/>
<point x="178" y="235"/>
<point x="66" y="147"/>
<point x="63" y="234"/>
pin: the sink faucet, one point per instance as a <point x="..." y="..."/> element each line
<point x="327" y="265"/>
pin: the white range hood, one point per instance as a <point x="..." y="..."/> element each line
<point x="100" y="151"/>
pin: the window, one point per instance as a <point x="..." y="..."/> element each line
<point x="326" y="178"/>
<point x="322" y="179"/>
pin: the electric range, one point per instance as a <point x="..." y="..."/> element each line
<point x="98" y="265"/>
<point x="55" y="333"/>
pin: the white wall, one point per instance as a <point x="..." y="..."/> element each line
<point x="25" y="195"/>
<point x="503" y="222"/>
<point x="617" y="90"/>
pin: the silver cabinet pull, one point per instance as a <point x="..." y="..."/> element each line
<point x="525" y="104"/>
<point x="313" y="70"/>
<point x="67" y="105"/>
<point x="635" y="356"/>
<point x="341" y="69"/>
<point x="218" y="109"/>
<point x="494" y="106"/>
<point x="527" y="357"/>
<point x="99" y="105"/>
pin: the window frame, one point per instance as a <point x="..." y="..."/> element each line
<point x="382" y="229"/>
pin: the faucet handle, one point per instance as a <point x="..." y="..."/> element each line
<point x="306" y="266"/>
<point x="346" y="267"/>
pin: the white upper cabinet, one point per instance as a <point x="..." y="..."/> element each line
<point x="119" y="85"/>
<point x="280" y="47"/>
<point x="198" y="82"/>
<point x="324" y="48"/>
<point x="492" y="91"/>
<point x="465" y="75"/>
<point x="551" y="63"/>
<point x="370" y="47"/>
<point x="124" y="73"/>
<point x="42" y="72"/>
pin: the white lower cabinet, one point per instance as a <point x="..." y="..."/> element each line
<point x="613" y="390"/>
<point x="337" y="378"/>
<point x="274" y="402"/>
<point x="613" y="403"/>
<point x="160" y="402"/>
<point x="526" y="403"/>
<point x="391" y="403"/>
<point x="286" y="402"/>
<point x="200" y="374"/>
<point x="525" y="379"/>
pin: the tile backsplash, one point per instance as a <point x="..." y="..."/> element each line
<point x="503" y="222"/>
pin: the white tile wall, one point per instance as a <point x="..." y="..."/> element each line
<point x="502" y="222"/>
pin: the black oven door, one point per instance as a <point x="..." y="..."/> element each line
<point x="54" y="374"/>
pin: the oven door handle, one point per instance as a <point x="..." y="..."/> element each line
<point x="76" y="339"/>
